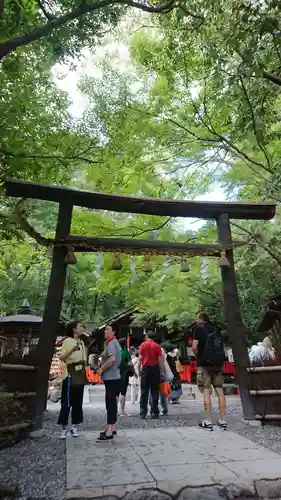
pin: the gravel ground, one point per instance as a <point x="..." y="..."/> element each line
<point x="38" y="466"/>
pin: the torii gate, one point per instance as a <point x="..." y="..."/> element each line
<point x="221" y="212"/>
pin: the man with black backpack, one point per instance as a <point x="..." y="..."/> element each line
<point x="209" y="351"/>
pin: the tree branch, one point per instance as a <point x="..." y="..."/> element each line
<point x="25" y="226"/>
<point x="42" y="31"/>
<point x="177" y="124"/>
<point x="230" y="145"/>
<point x="47" y="242"/>
<point x="261" y="146"/>
<point x="34" y="156"/>
<point x="193" y="15"/>
<point x="275" y="256"/>
<point x="272" y="78"/>
<point x="144" y="26"/>
<point x="48" y="16"/>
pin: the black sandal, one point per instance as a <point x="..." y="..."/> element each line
<point x="104" y="438"/>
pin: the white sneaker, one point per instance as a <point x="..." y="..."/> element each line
<point x="222" y="425"/>
<point x="63" y="434"/>
<point x="206" y="424"/>
<point x="74" y="432"/>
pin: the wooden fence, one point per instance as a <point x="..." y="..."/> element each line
<point x="265" y="389"/>
<point x="17" y="396"/>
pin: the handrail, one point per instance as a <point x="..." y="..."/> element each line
<point x="270" y="368"/>
<point x="23" y="368"/>
<point x="18" y="395"/>
<point x="15" y="427"/>
<point x="265" y="392"/>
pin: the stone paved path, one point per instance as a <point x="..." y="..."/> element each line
<point x="170" y="460"/>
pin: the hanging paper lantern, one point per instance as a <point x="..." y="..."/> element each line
<point x="224" y="262"/>
<point x="166" y="264"/>
<point x="133" y="269"/>
<point x="152" y="236"/>
<point x="70" y="257"/>
<point x="184" y="266"/>
<point x="97" y="271"/>
<point x="116" y="264"/>
<point x="147" y="265"/>
<point x="165" y="268"/>
<point x="204" y="270"/>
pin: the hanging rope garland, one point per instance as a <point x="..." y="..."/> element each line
<point x="99" y="245"/>
<point x="91" y="247"/>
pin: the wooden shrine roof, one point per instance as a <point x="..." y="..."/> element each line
<point x="133" y="204"/>
<point x="20" y="318"/>
<point x="268" y="320"/>
<point x="117" y="317"/>
<point x="271" y="314"/>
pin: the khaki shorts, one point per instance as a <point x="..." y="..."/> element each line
<point x="208" y="377"/>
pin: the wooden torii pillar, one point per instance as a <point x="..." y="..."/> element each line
<point x="232" y="312"/>
<point x="67" y="198"/>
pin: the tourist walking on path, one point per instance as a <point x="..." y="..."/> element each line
<point x="168" y="377"/>
<point x="173" y="362"/>
<point x="209" y="350"/>
<point x="152" y="372"/>
<point x="74" y="355"/>
<point x="110" y="372"/>
<point x="126" y="371"/>
<point x="135" y="384"/>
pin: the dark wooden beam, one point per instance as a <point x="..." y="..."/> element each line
<point x="143" y="247"/>
<point x="50" y="324"/>
<point x="235" y="325"/>
<point x="148" y="206"/>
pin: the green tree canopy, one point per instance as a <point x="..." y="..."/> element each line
<point x="64" y="26"/>
<point x="197" y="106"/>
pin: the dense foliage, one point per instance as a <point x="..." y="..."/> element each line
<point x="177" y="106"/>
<point x="64" y="27"/>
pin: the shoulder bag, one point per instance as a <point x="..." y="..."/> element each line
<point x="77" y="372"/>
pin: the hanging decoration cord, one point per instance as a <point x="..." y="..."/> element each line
<point x="148" y="251"/>
<point x="87" y="246"/>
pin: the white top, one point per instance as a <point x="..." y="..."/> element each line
<point x="76" y="356"/>
<point x="136" y="365"/>
<point x="261" y="353"/>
